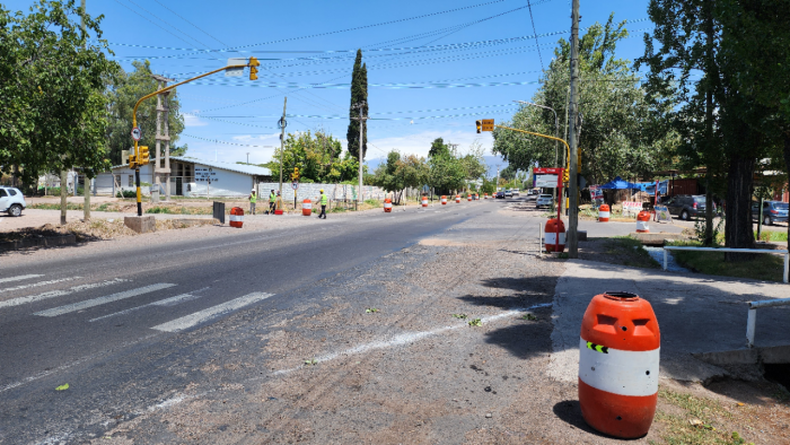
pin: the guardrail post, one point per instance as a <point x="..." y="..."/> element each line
<point x="751" y="321"/>
<point x="665" y="259"/>
<point x="787" y="266"/>
<point x="540" y="239"/>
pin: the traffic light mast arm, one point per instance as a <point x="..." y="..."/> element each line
<point x="543" y="136"/>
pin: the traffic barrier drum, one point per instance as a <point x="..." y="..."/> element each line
<point x="307" y="207"/>
<point x="425" y="201"/>
<point x="477" y="197"/>
<point x="444" y="200"/>
<point x="554" y="229"/>
<point x="603" y="213"/>
<point x="618" y="364"/>
<point x="469" y="197"/>
<point x="236" y="217"/>
<point x="485" y="195"/>
<point x="458" y="199"/>
<point x="642" y="221"/>
<point x="387" y="205"/>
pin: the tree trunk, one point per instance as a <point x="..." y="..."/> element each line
<point x="740" y="184"/>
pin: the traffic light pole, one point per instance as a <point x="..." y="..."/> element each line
<point x="138" y="161"/>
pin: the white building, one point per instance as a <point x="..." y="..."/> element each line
<point x="189" y="177"/>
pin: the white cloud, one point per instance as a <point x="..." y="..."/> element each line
<point x="420" y="143"/>
<point x="190" y="121"/>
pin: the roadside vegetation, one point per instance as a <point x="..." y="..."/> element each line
<point x="763" y="266"/>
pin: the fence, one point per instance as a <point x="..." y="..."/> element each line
<point x="731" y="249"/>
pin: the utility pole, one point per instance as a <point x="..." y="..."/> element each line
<point x="162" y="111"/>
<point x="86" y="215"/>
<point x="282" y="123"/>
<point x="362" y="118"/>
<point x="573" y="211"/>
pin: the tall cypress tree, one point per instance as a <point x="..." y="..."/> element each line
<point x="359" y="95"/>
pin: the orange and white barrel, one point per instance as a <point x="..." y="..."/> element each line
<point x="387" y="205"/>
<point x="444" y="200"/>
<point x="618" y="364"/>
<point x="307" y="207"/>
<point x="236" y="217"/>
<point x="642" y="222"/>
<point x="425" y="201"/>
<point x="603" y="213"/>
<point x="458" y="199"/>
<point x="485" y="195"/>
<point x="469" y="197"/>
<point x="554" y="228"/>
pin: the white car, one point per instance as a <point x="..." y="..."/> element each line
<point x="12" y="201"/>
<point x="544" y="201"/>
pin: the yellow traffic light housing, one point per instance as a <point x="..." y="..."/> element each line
<point x="145" y="156"/>
<point x="566" y="175"/>
<point x="295" y="174"/>
<point x="132" y="161"/>
<point x="479" y="125"/>
<point x="254" y="64"/>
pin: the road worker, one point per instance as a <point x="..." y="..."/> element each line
<point x="253" y="199"/>
<point x="324" y="200"/>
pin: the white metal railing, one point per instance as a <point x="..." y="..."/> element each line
<point x="731" y="249"/>
<point x="751" y="321"/>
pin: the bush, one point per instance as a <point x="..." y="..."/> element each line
<point x="126" y="194"/>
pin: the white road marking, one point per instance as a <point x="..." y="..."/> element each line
<point x="57" y="293"/>
<point x="39" y="284"/>
<point x="407" y="338"/>
<point x="188" y="321"/>
<point x="19" y="278"/>
<point x="54" y="312"/>
<point x="172" y="301"/>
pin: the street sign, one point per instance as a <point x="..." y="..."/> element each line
<point x="488" y="125"/>
<point x="295" y="185"/>
<point x="236" y="72"/>
<point x="546" y="181"/>
<point x="137" y="134"/>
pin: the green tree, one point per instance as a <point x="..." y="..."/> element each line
<point x="438" y="148"/>
<point x="447" y="173"/>
<point x="359" y="107"/>
<point x="124" y="93"/>
<point x="318" y="156"/>
<point x="52" y="82"/>
<point x="401" y="172"/>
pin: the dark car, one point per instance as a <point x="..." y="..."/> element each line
<point x="773" y="211"/>
<point x="500" y="195"/>
<point x="687" y="206"/>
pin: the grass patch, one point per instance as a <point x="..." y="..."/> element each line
<point x="632" y="252"/>
<point x="771" y="236"/>
<point x="700" y="422"/>
<point x="49" y="206"/>
<point x="762" y="266"/>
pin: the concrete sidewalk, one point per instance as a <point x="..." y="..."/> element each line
<point x="696" y="314"/>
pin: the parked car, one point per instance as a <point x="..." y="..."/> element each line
<point x="544" y="201"/>
<point x="500" y="195"/>
<point x="508" y="194"/>
<point x="687" y="206"/>
<point x="515" y="192"/>
<point x="773" y="212"/>
<point x="12" y="201"/>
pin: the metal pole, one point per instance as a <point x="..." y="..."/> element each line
<point x="573" y="214"/>
<point x="283" y="123"/>
<point x="666" y="259"/>
<point x="87" y="204"/>
<point x="751" y="322"/>
<point x="361" y="133"/>
<point x="787" y="267"/>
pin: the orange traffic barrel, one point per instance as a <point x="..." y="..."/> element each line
<point x="485" y="195"/>
<point x="425" y="201"/>
<point x="555" y="235"/>
<point x="603" y="213"/>
<point x="444" y="200"/>
<point x="469" y="197"/>
<point x="236" y="217"/>
<point x="387" y="205"/>
<point x="307" y="207"/>
<point x="618" y="364"/>
<point x="477" y="197"/>
<point x="458" y="199"/>
<point x="642" y="220"/>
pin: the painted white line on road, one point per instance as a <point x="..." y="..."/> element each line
<point x="19" y="278"/>
<point x="54" y="312"/>
<point x="57" y="293"/>
<point x="172" y="301"/>
<point x="39" y="284"/>
<point x="410" y="337"/>
<point x="186" y="322"/>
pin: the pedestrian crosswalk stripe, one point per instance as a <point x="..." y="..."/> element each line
<point x="19" y="278"/>
<point x="166" y="302"/>
<point x="57" y="293"/>
<point x="191" y="320"/>
<point x="39" y="284"/>
<point x="54" y="312"/>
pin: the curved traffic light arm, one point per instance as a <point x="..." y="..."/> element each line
<point x="137" y="156"/>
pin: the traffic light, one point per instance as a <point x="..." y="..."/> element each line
<point x="479" y="126"/>
<point x="254" y="64"/>
<point x="132" y="161"/>
<point x="295" y="174"/>
<point x="144" y="155"/>
<point x="566" y="175"/>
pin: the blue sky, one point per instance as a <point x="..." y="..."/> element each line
<point x="434" y="67"/>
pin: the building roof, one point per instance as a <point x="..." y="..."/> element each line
<point x="246" y="169"/>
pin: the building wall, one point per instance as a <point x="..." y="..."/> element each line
<point x="222" y="183"/>
<point x="335" y="192"/>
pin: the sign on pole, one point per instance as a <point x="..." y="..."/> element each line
<point x="137" y="134"/>
<point x="488" y="125"/>
<point x="236" y="72"/>
<point x="295" y="185"/>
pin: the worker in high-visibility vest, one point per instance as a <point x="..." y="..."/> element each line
<point x="253" y="200"/>
<point x="272" y="199"/>
<point x="324" y="200"/>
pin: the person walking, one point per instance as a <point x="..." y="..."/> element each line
<point x="324" y="200"/>
<point x="272" y="199"/>
<point x="253" y="199"/>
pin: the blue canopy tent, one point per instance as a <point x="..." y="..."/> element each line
<point x="619" y="184"/>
